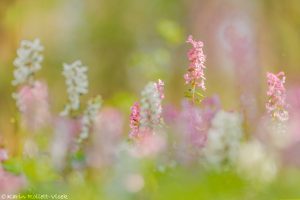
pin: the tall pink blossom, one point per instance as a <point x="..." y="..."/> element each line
<point x="195" y="74"/>
<point x="276" y="104"/>
<point x="33" y="103"/>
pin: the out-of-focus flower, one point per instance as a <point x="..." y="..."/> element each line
<point x="145" y="121"/>
<point x="33" y="103"/>
<point x="276" y="93"/>
<point x="77" y="85"/>
<point x="30" y="148"/>
<point x="11" y="184"/>
<point x="65" y="132"/>
<point x="3" y="155"/>
<point x="273" y="133"/>
<point x="89" y="116"/>
<point x="170" y="114"/>
<point x="255" y="163"/>
<point x="134" y="120"/>
<point x="195" y="74"/>
<point x="134" y="183"/>
<point x="148" y="144"/>
<point x="192" y="125"/>
<point x="106" y="137"/>
<point x="236" y="45"/>
<point x="147" y="115"/>
<point x="293" y="99"/>
<point x="223" y="139"/>
<point x="28" y="61"/>
<point x="151" y="108"/>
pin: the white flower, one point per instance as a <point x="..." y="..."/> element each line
<point x="255" y="163"/>
<point x="223" y="139"/>
<point x="89" y="117"/>
<point x="28" y="61"/>
<point x="151" y="109"/>
<point x="77" y="84"/>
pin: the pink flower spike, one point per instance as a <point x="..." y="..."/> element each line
<point x="195" y="73"/>
<point x="135" y="120"/>
<point x="276" y="93"/>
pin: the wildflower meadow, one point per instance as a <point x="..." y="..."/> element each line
<point x="159" y="100"/>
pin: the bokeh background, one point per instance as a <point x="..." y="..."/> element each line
<point x="130" y="42"/>
<point x="127" y="43"/>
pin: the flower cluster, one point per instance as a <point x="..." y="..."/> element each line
<point x="28" y="61"/>
<point x="276" y="93"/>
<point x="195" y="74"/>
<point x="151" y="109"/>
<point x="148" y="113"/>
<point x="77" y="85"/>
<point x="89" y="116"/>
<point x="224" y="138"/>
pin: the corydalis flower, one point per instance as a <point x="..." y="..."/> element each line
<point x="89" y="116"/>
<point x="77" y="85"/>
<point x="276" y="93"/>
<point x="195" y="75"/>
<point x="33" y="103"/>
<point x="151" y="109"/>
<point x="28" y="61"/>
<point x="147" y="114"/>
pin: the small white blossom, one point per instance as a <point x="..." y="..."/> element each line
<point x="28" y="61"/>
<point x="77" y="84"/>
<point x="151" y="109"/>
<point x="89" y="117"/>
<point x="223" y="139"/>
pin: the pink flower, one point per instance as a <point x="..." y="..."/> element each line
<point x="33" y="104"/>
<point x="276" y="93"/>
<point x="65" y="133"/>
<point x="11" y="184"/>
<point x="105" y="138"/>
<point x="147" y="115"/>
<point x="147" y="144"/>
<point x="192" y="125"/>
<point x="195" y="74"/>
<point x="135" y="120"/>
